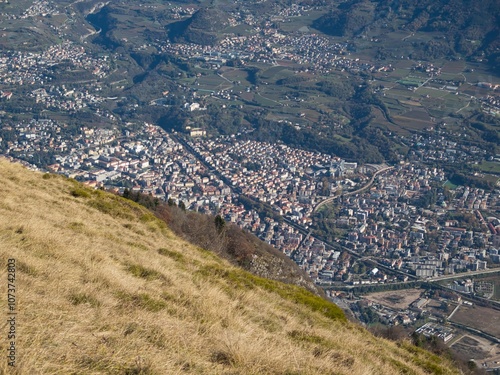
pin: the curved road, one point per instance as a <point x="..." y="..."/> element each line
<point x="328" y="200"/>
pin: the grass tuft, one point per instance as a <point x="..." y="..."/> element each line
<point x="140" y="367"/>
<point x="131" y="328"/>
<point x="137" y="245"/>
<point x="178" y="257"/>
<point x="144" y="273"/>
<point x="48" y="176"/>
<point x="26" y="268"/>
<point x="76" y="226"/>
<point x="302" y="336"/>
<point x="403" y="368"/>
<point x="147" y="217"/>
<point x="83" y="298"/>
<point x="80" y="193"/>
<point x="221" y="357"/>
<point x="142" y="301"/>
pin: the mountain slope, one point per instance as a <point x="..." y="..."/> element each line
<point x="459" y="27"/>
<point x="105" y="287"/>
<point x="229" y="242"/>
<point x="200" y="28"/>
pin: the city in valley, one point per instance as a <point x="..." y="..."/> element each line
<point x="379" y="175"/>
<point x="391" y="223"/>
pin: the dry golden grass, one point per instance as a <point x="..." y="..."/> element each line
<point x="104" y="287"/>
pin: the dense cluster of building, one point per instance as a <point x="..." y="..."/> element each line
<point x="289" y="179"/>
<point x="437" y="146"/>
<point x="491" y="104"/>
<point x="30" y="68"/>
<point x="484" y="289"/>
<point x="40" y="8"/>
<point x="437" y="330"/>
<point x="268" y="45"/>
<point x="69" y="100"/>
<point x="394" y="223"/>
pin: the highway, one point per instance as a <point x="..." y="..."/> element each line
<point x="463" y="275"/>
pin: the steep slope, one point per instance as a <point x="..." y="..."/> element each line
<point x="102" y="286"/>
<point x="460" y="27"/>
<point x="201" y="28"/>
<point x="228" y="241"/>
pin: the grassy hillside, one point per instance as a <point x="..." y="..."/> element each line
<point x="105" y="287"/>
<point x="228" y="241"/>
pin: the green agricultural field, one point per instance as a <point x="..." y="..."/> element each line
<point x="264" y="101"/>
<point x="403" y="64"/>
<point x="399" y="73"/>
<point x="22" y="35"/>
<point x="489" y="167"/>
<point x="275" y="73"/>
<point x="450" y="185"/>
<point x="417" y="114"/>
<point x="311" y="115"/>
<point x="411" y="103"/>
<point x="295" y="23"/>
<point x="481" y="75"/>
<point x="451" y="77"/>
<point x="453" y="67"/>
<point x="412" y="80"/>
<point x="213" y="81"/>
<point x="399" y="93"/>
<point x="411" y="124"/>
<point x="237" y="75"/>
<point x="437" y="114"/>
<point x="281" y="117"/>
<point x="272" y="95"/>
<point x="455" y="102"/>
<point x="240" y="30"/>
<point x="433" y="93"/>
